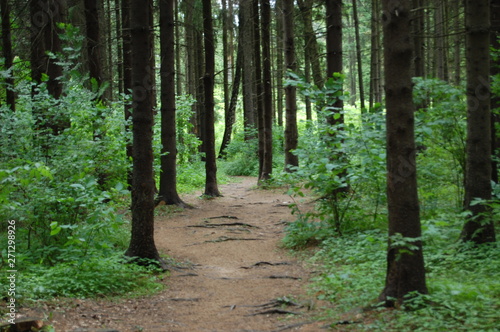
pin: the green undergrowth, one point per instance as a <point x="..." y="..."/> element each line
<point x="464" y="289"/>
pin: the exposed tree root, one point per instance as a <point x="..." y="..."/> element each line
<point x="265" y="263"/>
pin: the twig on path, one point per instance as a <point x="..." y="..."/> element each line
<point x="178" y="299"/>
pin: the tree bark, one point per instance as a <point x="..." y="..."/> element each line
<point x="258" y="83"/>
<point x="479" y="228"/>
<point x="312" y="52"/>
<point x="291" y="132"/>
<point x="279" y="62"/>
<point x="45" y="15"/>
<point x="267" y="164"/>
<point x="405" y="262"/>
<point x="375" y="63"/>
<point x="495" y="99"/>
<point x="127" y="78"/>
<point x="142" y="245"/>
<point x="231" y="111"/>
<point x="168" y="176"/>
<point x="211" y="188"/>
<point x="249" y="111"/>
<point x="7" y="53"/>
<point x="334" y="51"/>
<point x="358" y="56"/>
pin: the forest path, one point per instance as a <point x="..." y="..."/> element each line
<point x="232" y="277"/>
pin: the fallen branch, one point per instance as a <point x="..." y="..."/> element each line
<point x="223" y="217"/>
<point x="283" y="277"/>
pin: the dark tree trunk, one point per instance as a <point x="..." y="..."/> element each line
<point x="440" y="36"/>
<point x="7" y="53"/>
<point x="231" y="111"/>
<point x="245" y="17"/>
<point x="168" y="176"/>
<point x="211" y="188"/>
<point x="279" y="62"/>
<point x="495" y="99"/>
<point x="119" y="50"/>
<point x="312" y="52"/>
<point x="127" y="77"/>
<point x="358" y="56"/>
<point x="45" y="15"/>
<point x="258" y="83"/>
<point x="291" y="133"/>
<point x="334" y="50"/>
<point x="267" y="163"/>
<point x="142" y="244"/>
<point x="375" y="63"/>
<point x="418" y="31"/>
<point x="405" y="263"/>
<point x="479" y="228"/>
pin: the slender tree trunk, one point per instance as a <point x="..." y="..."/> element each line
<point x="479" y="228"/>
<point x="211" y="188"/>
<point x="127" y="77"/>
<point x="279" y="62"/>
<point x="93" y="39"/>
<point x="312" y="52"/>
<point x="358" y="56"/>
<point x="267" y="165"/>
<point x="7" y="53"/>
<point x="231" y="113"/>
<point x="405" y="263"/>
<point x="375" y="63"/>
<point x="457" y="43"/>
<point x="440" y="51"/>
<point x="418" y="37"/>
<point x="45" y="15"/>
<point x="119" y="50"/>
<point x="168" y="176"/>
<point x="258" y="83"/>
<point x="291" y="133"/>
<point x="142" y="244"/>
<point x="249" y="112"/>
<point x="178" y="51"/>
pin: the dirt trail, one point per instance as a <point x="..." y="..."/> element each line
<point x="233" y="276"/>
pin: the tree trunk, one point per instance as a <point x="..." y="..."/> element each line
<point x="142" y="245"/>
<point x="375" y="63"/>
<point x="440" y="35"/>
<point x="45" y="15"/>
<point x="127" y="78"/>
<point x="279" y="62"/>
<point x="7" y="53"/>
<point x="291" y="133"/>
<point x="358" y="56"/>
<point x="418" y="30"/>
<point x="405" y="262"/>
<point x="119" y="50"/>
<point x="312" y="52"/>
<point x="258" y="83"/>
<point x="479" y="228"/>
<point x="495" y="99"/>
<point x="168" y="176"/>
<point x="249" y="112"/>
<point x="211" y="188"/>
<point x="231" y="112"/>
<point x="334" y="50"/>
<point x="267" y="164"/>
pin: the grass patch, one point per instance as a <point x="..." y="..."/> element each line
<point x="464" y="290"/>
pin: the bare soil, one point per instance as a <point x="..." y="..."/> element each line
<point x="233" y="275"/>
